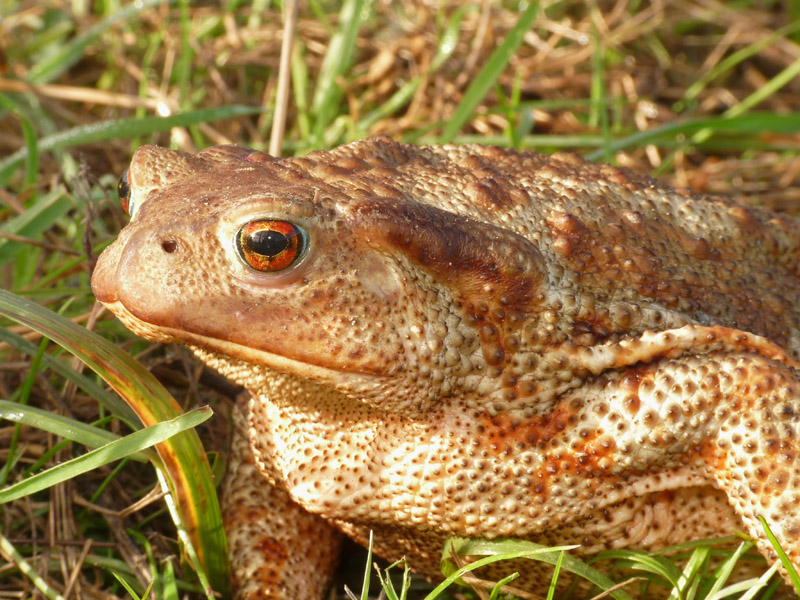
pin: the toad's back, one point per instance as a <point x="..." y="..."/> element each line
<point x="606" y="237"/>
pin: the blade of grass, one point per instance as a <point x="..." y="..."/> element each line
<point x="482" y="547"/>
<point x="44" y="282"/>
<point x="52" y="66"/>
<point x="729" y="62"/>
<point x="7" y="549"/>
<point x="386" y="580"/>
<point x="689" y="578"/>
<point x="398" y="100"/>
<point x="24" y="396"/>
<point x="367" y="570"/>
<point x="449" y="40"/>
<point x="641" y="561"/>
<point x="110" y="477"/>
<point x="88" y="435"/>
<point x="598" y="114"/>
<point x="534" y="551"/>
<point x="183" y="64"/>
<point x="552" y="590"/>
<point x="754" y="122"/>
<point x="169" y="589"/>
<point x="122" y="128"/>
<point x="116" y="450"/>
<point x="129" y="588"/>
<point x="32" y="159"/>
<point x="762" y="93"/>
<point x="189" y="474"/>
<point x="723" y="572"/>
<point x="38" y="218"/>
<point x="498" y="588"/>
<point x="772" y="86"/>
<point x="109" y="401"/>
<point x="338" y="59"/>
<point x="488" y="75"/>
<point x="300" y="87"/>
<point x="784" y="559"/>
<point x="750" y="586"/>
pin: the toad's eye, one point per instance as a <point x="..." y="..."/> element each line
<point x="124" y="191"/>
<point x="271" y="246"/>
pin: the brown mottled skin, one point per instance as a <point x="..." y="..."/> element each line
<point x="477" y="342"/>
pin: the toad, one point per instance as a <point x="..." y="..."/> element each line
<point x="470" y="341"/>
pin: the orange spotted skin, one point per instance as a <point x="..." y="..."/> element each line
<point x="471" y="341"/>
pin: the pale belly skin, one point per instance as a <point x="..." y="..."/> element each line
<point x="469" y="341"/>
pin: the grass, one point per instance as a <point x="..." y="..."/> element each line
<point x="702" y="94"/>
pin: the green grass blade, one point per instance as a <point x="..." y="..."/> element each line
<point x="772" y="86"/>
<point x="183" y="457"/>
<point x="449" y="40"/>
<point x="338" y="59"/>
<point x="24" y="396"/>
<point x="726" y="568"/>
<point x="169" y="589"/>
<point x="552" y="590"/>
<point x="488" y="75"/>
<point x="32" y="159"/>
<point x="730" y="62"/>
<point x="784" y="559"/>
<point x="498" y="588"/>
<point x="118" y="569"/>
<point x="510" y="548"/>
<point x="751" y="587"/>
<point x="598" y="110"/>
<point x="38" y="218"/>
<point x="398" y="100"/>
<point x="751" y="123"/>
<point x="129" y="588"/>
<point x="494" y="551"/>
<point x="367" y="570"/>
<point x="641" y="561"/>
<point x="54" y="65"/>
<point x="300" y="87"/>
<point x="8" y="549"/>
<point x="689" y="578"/>
<point x="183" y="65"/>
<point x="122" y="128"/>
<point x="116" y="450"/>
<point x="77" y="431"/>
<point x="109" y="401"/>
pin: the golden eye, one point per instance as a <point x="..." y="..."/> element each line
<point x="271" y="246"/>
<point x="124" y="191"/>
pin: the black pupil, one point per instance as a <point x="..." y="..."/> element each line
<point x="122" y="187"/>
<point x="268" y="242"/>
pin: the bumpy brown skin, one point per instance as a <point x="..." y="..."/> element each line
<point x="478" y="342"/>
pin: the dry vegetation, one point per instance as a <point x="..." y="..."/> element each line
<point x="586" y="76"/>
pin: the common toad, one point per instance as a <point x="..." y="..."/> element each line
<point x="472" y="341"/>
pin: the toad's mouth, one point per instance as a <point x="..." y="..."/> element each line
<point x="239" y="352"/>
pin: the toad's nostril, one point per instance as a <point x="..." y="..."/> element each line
<point x="169" y="246"/>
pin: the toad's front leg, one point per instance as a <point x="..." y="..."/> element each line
<point x="278" y="550"/>
<point x="729" y="417"/>
<point x="755" y="455"/>
<point x="715" y="402"/>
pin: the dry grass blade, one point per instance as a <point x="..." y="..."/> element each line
<point x="284" y="78"/>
